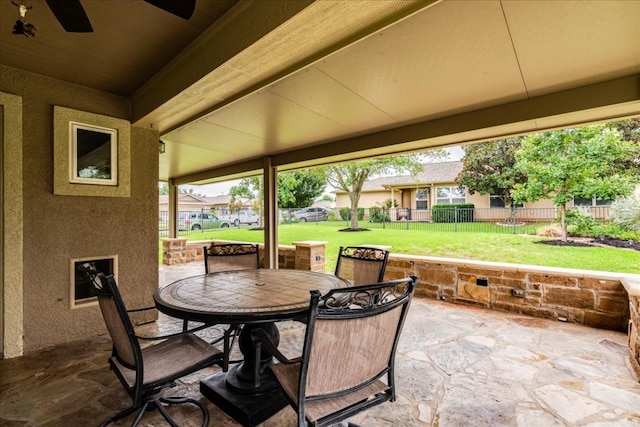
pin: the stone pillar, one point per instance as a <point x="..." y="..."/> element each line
<point x="310" y="255"/>
<point x="174" y="251"/>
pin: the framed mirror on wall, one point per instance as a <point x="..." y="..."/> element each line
<point x="94" y="154"/>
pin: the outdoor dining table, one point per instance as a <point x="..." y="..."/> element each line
<point x="256" y="298"/>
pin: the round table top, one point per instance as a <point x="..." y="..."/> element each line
<point x="244" y="296"/>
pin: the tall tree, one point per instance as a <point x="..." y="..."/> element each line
<point x="489" y="168"/>
<point x="350" y="177"/>
<point x="582" y="162"/>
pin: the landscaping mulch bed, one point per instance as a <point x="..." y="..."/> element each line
<point x="600" y="241"/>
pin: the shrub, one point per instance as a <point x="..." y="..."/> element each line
<point x="377" y="214"/>
<point x="345" y="214"/>
<point x="625" y="213"/>
<point x="462" y="212"/>
<point x="580" y="221"/>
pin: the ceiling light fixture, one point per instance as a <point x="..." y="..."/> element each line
<point x="162" y="147"/>
<point x="22" y="27"/>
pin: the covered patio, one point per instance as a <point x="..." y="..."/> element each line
<point x="457" y="366"/>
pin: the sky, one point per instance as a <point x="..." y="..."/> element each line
<point x="221" y="188"/>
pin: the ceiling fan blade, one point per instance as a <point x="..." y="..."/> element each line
<point x="182" y="8"/>
<point x="71" y="15"/>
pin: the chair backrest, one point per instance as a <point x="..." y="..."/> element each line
<point x="126" y="348"/>
<point x="231" y="256"/>
<point x="361" y="265"/>
<point x="351" y="339"/>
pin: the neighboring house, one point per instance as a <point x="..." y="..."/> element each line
<point x="186" y="202"/>
<point x="436" y="185"/>
<point x="189" y="202"/>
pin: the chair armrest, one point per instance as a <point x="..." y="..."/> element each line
<point x="260" y="338"/>
<point x="135" y="310"/>
<point x="164" y="337"/>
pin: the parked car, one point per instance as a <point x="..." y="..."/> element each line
<point x="312" y="214"/>
<point x="200" y="221"/>
<point x="242" y="217"/>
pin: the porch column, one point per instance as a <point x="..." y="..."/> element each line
<point x="270" y="197"/>
<point x="173" y="209"/>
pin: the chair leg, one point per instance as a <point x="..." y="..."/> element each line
<point x="140" y="414"/>
<point x="158" y="403"/>
<point x="179" y="400"/>
<point x="125" y="412"/>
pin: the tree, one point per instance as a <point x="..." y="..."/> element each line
<point x="251" y="188"/>
<point x="300" y="188"/>
<point x="489" y="168"/>
<point x="296" y="189"/>
<point x="350" y="177"/>
<point x="582" y="162"/>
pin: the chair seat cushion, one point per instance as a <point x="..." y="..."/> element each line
<point x="288" y="376"/>
<point x="172" y="358"/>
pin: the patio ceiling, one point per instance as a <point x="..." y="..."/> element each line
<point x="311" y="82"/>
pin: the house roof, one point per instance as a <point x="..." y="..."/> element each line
<point x="432" y="173"/>
<point x="184" y="198"/>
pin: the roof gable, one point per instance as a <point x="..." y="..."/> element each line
<point x="432" y="173"/>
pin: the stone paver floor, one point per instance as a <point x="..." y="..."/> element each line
<point x="456" y="366"/>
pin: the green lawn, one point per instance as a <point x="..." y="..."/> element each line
<point x="510" y="248"/>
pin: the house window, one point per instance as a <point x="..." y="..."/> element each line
<point x="579" y="201"/>
<point x="451" y="195"/>
<point x="496" y="201"/>
<point x="422" y="198"/>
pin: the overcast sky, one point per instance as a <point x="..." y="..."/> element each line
<point x="220" y="188"/>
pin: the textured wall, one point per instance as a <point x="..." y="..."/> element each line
<point x="58" y="228"/>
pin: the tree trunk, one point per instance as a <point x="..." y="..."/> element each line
<point x="354" y="211"/>
<point x="563" y="221"/>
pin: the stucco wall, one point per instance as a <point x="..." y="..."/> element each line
<point x="58" y="228"/>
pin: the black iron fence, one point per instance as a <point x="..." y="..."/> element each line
<point x="455" y="219"/>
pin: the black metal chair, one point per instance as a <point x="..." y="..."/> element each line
<point x="228" y="257"/>
<point x="348" y="358"/>
<point x="231" y="256"/>
<point x="361" y="265"/>
<point x="145" y="372"/>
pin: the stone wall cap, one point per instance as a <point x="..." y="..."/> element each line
<point x="631" y="283"/>
<point x="310" y="243"/>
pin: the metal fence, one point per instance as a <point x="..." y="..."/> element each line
<point x="488" y="220"/>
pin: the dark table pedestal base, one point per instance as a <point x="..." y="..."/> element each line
<point x="247" y="409"/>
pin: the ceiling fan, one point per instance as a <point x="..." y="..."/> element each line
<point x="74" y="19"/>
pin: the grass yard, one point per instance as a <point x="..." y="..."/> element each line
<point x="510" y="248"/>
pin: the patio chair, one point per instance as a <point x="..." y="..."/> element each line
<point x="230" y="256"/>
<point x="226" y="257"/>
<point x="348" y="358"/>
<point x="145" y="372"/>
<point x="361" y="265"/>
